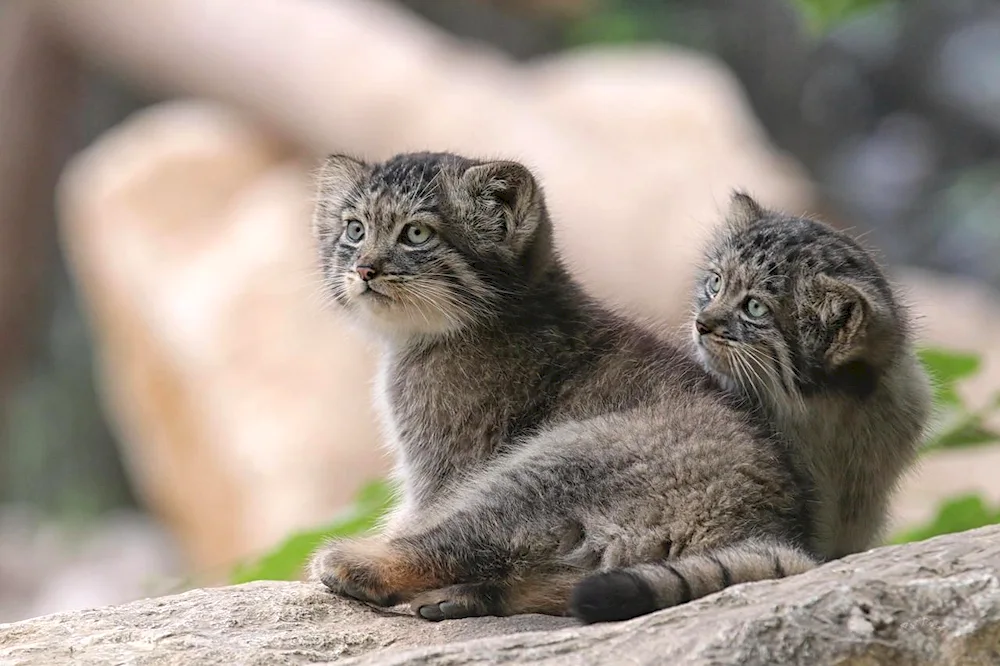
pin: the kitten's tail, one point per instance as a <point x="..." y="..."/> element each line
<point x="621" y="594"/>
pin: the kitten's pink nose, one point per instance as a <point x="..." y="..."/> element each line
<point x="701" y="327"/>
<point x="366" y="272"/>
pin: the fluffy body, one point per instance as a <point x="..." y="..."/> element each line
<point x="540" y="437"/>
<point x="801" y="320"/>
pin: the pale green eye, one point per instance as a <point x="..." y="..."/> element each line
<point x="714" y="283"/>
<point x="755" y="308"/>
<point x="355" y="231"/>
<point x="417" y="234"/>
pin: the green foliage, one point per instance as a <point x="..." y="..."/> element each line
<point x="286" y="561"/>
<point x="628" y="21"/>
<point x="947" y="369"/>
<point x="958" y="514"/>
<point x="960" y="427"/>
<point x="612" y="22"/>
<point x="824" y="14"/>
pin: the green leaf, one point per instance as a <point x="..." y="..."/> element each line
<point x="965" y="435"/>
<point x="958" y="514"/>
<point x="946" y="368"/>
<point x="824" y="14"/>
<point x="609" y="27"/>
<point x="949" y="366"/>
<point x="285" y="562"/>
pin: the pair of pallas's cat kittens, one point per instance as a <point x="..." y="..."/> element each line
<point x="556" y="457"/>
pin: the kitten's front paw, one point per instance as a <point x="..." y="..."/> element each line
<point x="369" y="570"/>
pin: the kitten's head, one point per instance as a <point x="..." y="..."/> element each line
<point x="787" y="307"/>
<point x="428" y="244"/>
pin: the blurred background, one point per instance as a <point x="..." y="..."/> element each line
<point x="175" y="398"/>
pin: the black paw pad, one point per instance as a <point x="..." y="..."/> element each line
<point x="610" y="597"/>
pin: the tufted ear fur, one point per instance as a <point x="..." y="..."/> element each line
<point x="851" y="314"/>
<point x="744" y="210"/>
<point x="508" y="200"/>
<point x="334" y="179"/>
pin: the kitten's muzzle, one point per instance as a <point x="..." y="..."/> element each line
<point x="707" y="327"/>
<point x="366" y="273"/>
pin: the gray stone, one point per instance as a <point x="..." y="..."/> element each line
<point x="935" y="602"/>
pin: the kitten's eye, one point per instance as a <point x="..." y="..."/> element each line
<point x="755" y="308"/>
<point x="416" y="234"/>
<point x="714" y="283"/>
<point x="354" y="231"/>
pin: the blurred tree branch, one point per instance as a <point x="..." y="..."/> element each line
<point x="38" y="88"/>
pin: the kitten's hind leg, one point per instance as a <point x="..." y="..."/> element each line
<point x="497" y="530"/>
<point x="474" y="560"/>
<point x="545" y="589"/>
<point x="465" y="547"/>
<point x="537" y="592"/>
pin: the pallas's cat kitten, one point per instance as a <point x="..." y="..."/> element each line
<point x="801" y="319"/>
<point x="539" y="436"/>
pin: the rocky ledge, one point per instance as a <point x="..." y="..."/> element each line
<point x="935" y="602"/>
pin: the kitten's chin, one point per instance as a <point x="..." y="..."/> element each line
<point x="718" y="367"/>
<point x="398" y="313"/>
<point x="399" y="322"/>
<point x="707" y="358"/>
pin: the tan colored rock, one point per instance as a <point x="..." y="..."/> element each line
<point x="935" y="603"/>
<point x="242" y="406"/>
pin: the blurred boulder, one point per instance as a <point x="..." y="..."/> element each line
<point x="242" y="408"/>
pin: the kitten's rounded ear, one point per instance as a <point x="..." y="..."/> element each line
<point x="334" y="179"/>
<point x="339" y="173"/>
<point x="743" y="209"/>
<point x="509" y="185"/>
<point x="845" y="308"/>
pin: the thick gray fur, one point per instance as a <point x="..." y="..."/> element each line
<point x="831" y="362"/>
<point x="540" y="437"/>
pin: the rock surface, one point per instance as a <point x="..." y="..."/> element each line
<point x="935" y="602"/>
